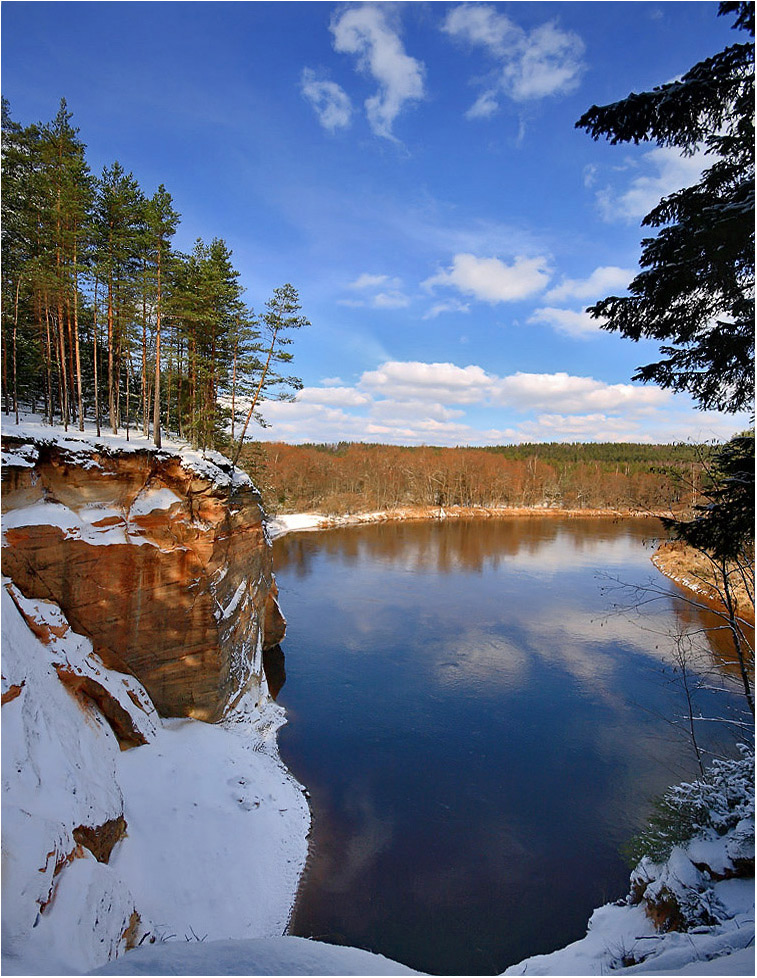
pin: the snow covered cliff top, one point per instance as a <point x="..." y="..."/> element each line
<point x="34" y="430"/>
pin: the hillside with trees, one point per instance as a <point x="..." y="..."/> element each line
<point x="350" y="477"/>
<point x="104" y="320"/>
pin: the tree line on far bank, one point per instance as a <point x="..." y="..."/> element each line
<point x="104" y="320"/>
<point x="354" y="477"/>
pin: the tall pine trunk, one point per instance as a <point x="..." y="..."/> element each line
<point x="15" y="350"/>
<point x="257" y="395"/>
<point x="6" y="389"/>
<point x="111" y="388"/>
<point x="48" y="358"/>
<point x="234" y="386"/>
<point x="79" y="397"/>
<point x="70" y="378"/>
<point x="145" y="399"/>
<point x="62" y="363"/>
<point x="158" y="311"/>
<point x="94" y="360"/>
<point x="128" y="375"/>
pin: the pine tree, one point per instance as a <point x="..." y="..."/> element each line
<point x="18" y="162"/>
<point x="162" y="221"/>
<point x="120" y="215"/>
<point x="695" y="292"/>
<point x="71" y="196"/>
<point x="282" y="315"/>
<point x="81" y="256"/>
<point x="246" y="364"/>
<point x="206" y="306"/>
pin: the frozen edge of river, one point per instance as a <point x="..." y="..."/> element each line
<point x="295" y="522"/>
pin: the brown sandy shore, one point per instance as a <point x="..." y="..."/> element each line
<point x="692" y="571"/>
<point x="324" y="520"/>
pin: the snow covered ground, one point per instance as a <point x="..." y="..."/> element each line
<point x="216" y="826"/>
<point x="209" y="464"/>
<point x="618" y="933"/>
<point x="271" y="956"/>
<point x="296" y="956"/>
<point x="290" y="522"/>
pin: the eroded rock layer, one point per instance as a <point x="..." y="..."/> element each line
<point x="164" y="565"/>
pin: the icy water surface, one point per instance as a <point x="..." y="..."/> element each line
<point x="477" y="736"/>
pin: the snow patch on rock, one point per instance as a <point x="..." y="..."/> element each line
<point x="210" y="465"/>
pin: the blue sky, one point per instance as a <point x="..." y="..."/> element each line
<point x="414" y="170"/>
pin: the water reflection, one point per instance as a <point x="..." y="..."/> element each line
<point x="478" y="727"/>
<point x="540" y="543"/>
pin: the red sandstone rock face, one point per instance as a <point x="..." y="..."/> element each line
<point x="168" y="572"/>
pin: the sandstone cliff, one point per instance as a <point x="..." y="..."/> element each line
<point x="162" y="560"/>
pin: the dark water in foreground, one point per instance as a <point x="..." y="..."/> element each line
<point x="477" y="736"/>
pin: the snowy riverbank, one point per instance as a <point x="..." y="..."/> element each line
<point x="294" y="522"/>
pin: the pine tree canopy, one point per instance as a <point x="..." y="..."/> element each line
<point x="695" y="292"/>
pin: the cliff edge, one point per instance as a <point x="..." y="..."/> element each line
<point x="161" y="560"/>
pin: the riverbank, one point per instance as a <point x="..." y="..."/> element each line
<point x="694" y="571"/>
<point x="293" y="522"/>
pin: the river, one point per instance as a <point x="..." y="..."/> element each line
<point x="481" y="720"/>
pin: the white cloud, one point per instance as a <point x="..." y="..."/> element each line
<point x="480" y="23"/>
<point x="367" y="281"/>
<point x="333" y="396"/>
<point x="484" y="106"/>
<point x="491" y="280"/>
<point x="401" y="411"/>
<point x="411" y="402"/>
<point x="449" y="305"/>
<point x="391" y="300"/>
<point x="600" y="283"/>
<point x="561" y="392"/>
<point x="530" y="64"/>
<point x="331" y="103"/>
<point x="590" y="174"/>
<point x="299" y="421"/>
<point x="364" y="31"/>
<point x="390" y="297"/>
<point x="582" y="427"/>
<point x="568" y="321"/>
<point x="666" y="171"/>
<point x="549" y="64"/>
<point x="412" y="380"/>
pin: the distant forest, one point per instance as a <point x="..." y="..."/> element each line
<point x="351" y="477"/>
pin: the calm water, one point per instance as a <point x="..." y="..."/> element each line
<point x="478" y="737"/>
